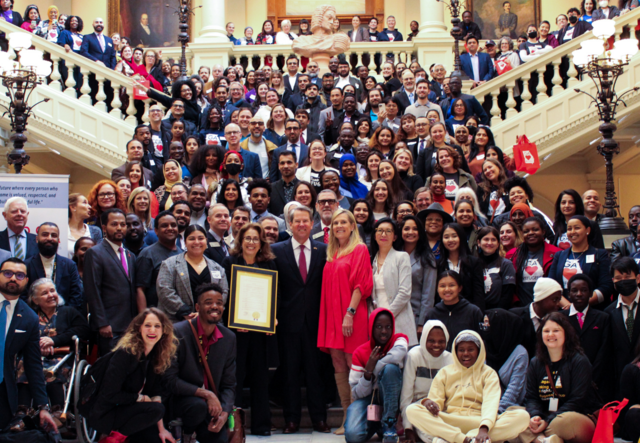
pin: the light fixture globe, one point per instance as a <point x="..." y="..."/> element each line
<point x="603" y="29"/>
<point x="593" y="47"/>
<point x="44" y="69"/>
<point x="580" y="58"/>
<point x="627" y="46"/>
<point x="30" y="58"/>
<point x="20" y="40"/>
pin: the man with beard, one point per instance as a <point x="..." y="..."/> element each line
<point x="218" y="220"/>
<point x="99" y="47"/>
<point x="19" y="335"/>
<point x="149" y="261"/>
<point x="259" y="191"/>
<point x="16" y="239"/>
<point x="135" y="151"/>
<point x="349" y="114"/>
<point x="271" y="230"/>
<point x="137" y="56"/>
<point x="61" y="270"/>
<point x="628" y="246"/>
<point x="134" y="240"/>
<point x="333" y="66"/>
<point x="473" y="105"/>
<point x="329" y="114"/>
<point x="313" y="106"/>
<point x="313" y="69"/>
<point x="197" y="198"/>
<point x="193" y="395"/>
<point x="326" y="205"/>
<point x="181" y="210"/>
<point x="109" y="282"/>
<point x="328" y="83"/>
<point x="344" y="79"/>
<point x="282" y="189"/>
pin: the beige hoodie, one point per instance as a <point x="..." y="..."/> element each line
<point x="468" y="392"/>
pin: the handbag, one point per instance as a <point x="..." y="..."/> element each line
<point x="236" y="432"/>
<point x="138" y="92"/>
<point x="503" y="66"/>
<point x="526" y="155"/>
<point x="606" y="418"/>
<point x="374" y="412"/>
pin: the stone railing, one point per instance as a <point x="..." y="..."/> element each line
<point x="519" y="79"/>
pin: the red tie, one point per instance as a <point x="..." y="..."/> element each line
<point x="302" y="139"/>
<point x="302" y="264"/>
<point x="326" y="236"/>
<point x="580" y="319"/>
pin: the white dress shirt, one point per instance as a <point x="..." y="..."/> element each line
<point x="11" y="307"/>
<point x="573" y="311"/>
<point x="475" y="64"/>
<point x="625" y="311"/>
<point x="116" y="248"/>
<point x="534" y="317"/>
<point x="297" y="149"/>
<point x="307" y="251"/>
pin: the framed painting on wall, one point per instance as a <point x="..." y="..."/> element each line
<point x="501" y="18"/>
<point x="147" y="23"/>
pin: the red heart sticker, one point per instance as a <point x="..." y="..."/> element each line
<point x="569" y="272"/>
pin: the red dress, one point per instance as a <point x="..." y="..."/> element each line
<point x="340" y="278"/>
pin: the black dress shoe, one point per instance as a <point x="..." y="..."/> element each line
<point x="262" y="433"/>
<point x="322" y="426"/>
<point x="291" y="428"/>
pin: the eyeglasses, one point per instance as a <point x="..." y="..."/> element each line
<point x="178" y="106"/>
<point x="327" y="202"/>
<point x="107" y="195"/>
<point x="384" y="231"/>
<point x="251" y="240"/>
<point x="405" y="211"/>
<point x="233" y="132"/>
<point x="19" y="275"/>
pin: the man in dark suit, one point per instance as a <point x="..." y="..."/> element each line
<point x="326" y="205"/>
<point x="15" y="238"/>
<point x="19" y="335"/>
<point x="594" y="329"/>
<point x="142" y="34"/>
<point x="109" y="282"/>
<point x="290" y="79"/>
<point x="219" y="223"/>
<point x="547" y="294"/>
<point x="293" y="99"/>
<point x="473" y="105"/>
<point x="282" y="190"/>
<point x="302" y="260"/>
<point x="477" y="65"/>
<point x="625" y="321"/>
<point x="99" y="47"/>
<point x="195" y="401"/>
<point x="61" y="270"/>
<point x="135" y="151"/>
<point x="292" y="131"/>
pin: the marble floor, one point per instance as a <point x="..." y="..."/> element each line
<point x="303" y="436"/>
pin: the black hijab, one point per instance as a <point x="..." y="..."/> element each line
<point x="501" y="337"/>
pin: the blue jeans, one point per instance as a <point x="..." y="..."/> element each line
<point x="357" y="428"/>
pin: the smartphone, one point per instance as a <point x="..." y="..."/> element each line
<point x="382" y="107"/>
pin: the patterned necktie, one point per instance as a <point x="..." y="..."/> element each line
<point x="123" y="259"/>
<point x="18" y="252"/>
<point x="580" y="319"/>
<point x="326" y="236"/>
<point x="421" y="148"/>
<point x="630" y="320"/>
<point x="302" y="264"/>
<point x="3" y="334"/>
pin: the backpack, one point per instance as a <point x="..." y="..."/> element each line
<point x="90" y="384"/>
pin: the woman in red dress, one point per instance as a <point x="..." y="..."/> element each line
<point x="347" y="281"/>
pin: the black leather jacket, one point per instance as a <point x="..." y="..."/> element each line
<point x="625" y="247"/>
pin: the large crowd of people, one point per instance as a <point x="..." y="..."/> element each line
<point x="418" y="284"/>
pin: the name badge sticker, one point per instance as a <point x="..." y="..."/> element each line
<point x="216" y="274"/>
<point x="591" y="258"/>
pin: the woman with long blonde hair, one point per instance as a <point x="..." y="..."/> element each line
<point x="347" y="281"/>
<point x="128" y="403"/>
<point x="139" y="203"/>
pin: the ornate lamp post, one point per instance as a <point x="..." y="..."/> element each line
<point x="604" y="68"/>
<point x="20" y="78"/>
<point x="183" y="12"/>
<point x="455" y="8"/>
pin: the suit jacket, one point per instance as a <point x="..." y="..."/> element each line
<point x="252" y="168"/>
<point x="529" y="337"/>
<point x="485" y="66"/>
<point x="599" y="15"/>
<point x="186" y="373"/>
<point x="32" y="243"/>
<point x="623" y="349"/>
<point x="331" y="134"/>
<point x="91" y="49"/>
<point x="67" y="279"/>
<point x="299" y="301"/>
<point x="423" y="288"/>
<point x="287" y="86"/>
<point x="214" y="250"/>
<point x="111" y="294"/>
<point x="278" y="200"/>
<point x="23" y="338"/>
<point x="118" y="173"/>
<point x="362" y="34"/>
<point x="274" y="171"/>
<point x="325" y="114"/>
<point x="174" y="286"/>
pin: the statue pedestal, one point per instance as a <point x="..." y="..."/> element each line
<point x="322" y="59"/>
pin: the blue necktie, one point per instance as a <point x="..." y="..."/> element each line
<point x="3" y="335"/>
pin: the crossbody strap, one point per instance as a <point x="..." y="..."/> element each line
<point x="552" y="381"/>
<point x="203" y="357"/>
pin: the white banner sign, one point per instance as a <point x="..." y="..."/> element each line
<point x="48" y="199"/>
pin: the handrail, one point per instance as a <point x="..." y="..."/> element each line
<point x="539" y="63"/>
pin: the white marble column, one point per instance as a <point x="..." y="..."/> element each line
<point x="213" y="22"/>
<point x="432" y="18"/>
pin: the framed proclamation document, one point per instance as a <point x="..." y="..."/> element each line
<point x="252" y="299"/>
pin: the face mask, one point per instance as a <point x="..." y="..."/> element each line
<point x="603" y="4"/>
<point x="573" y="19"/>
<point x="233" y="168"/>
<point x="533" y="34"/>
<point x="626" y="287"/>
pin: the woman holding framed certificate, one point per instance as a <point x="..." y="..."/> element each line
<point x="347" y="281"/>
<point x="255" y="350"/>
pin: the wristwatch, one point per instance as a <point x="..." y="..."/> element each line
<point x="44" y="408"/>
<point x="351" y="311"/>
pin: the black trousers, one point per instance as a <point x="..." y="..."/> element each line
<point x="138" y="419"/>
<point x="299" y="354"/>
<point x="195" y="418"/>
<point x="6" y="414"/>
<point x="105" y="345"/>
<point x="55" y="392"/>
<point x="252" y="364"/>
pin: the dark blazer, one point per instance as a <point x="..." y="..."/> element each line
<point x="579" y="29"/>
<point x="278" y="200"/>
<point x="598" y="271"/>
<point x="287" y="86"/>
<point x="32" y="243"/>
<point x="595" y="338"/>
<point x="599" y="15"/>
<point x="486" y="69"/>
<point x="214" y="250"/>
<point x="362" y="35"/>
<point x="623" y="349"/>
<point x="424" y="164"/>
<point x="91" y="49"/>
<point x="27" y="344"/>
<point x="529" y="337"/>
<point x="68" y="283"/>
<point x="331" y="134"/>
<point x="299" y="301"/>
<point x="70" y="322"/>
<point x="186" y="373"/>
<point x="252" y="168"/>
<point x="293" y="99"/>
<point x="274" y="172"/>
<point x="110" y="293"/>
